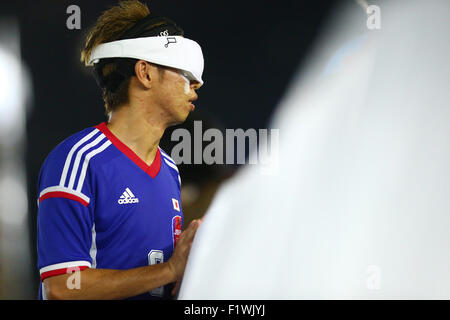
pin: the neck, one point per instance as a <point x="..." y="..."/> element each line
<point x="138" y="131"/>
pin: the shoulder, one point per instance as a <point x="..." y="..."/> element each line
<point x="168" y="160"/>
<point x="171" y="164"/>
<point x="66" y="167"/>
<point x="75" y="140"/>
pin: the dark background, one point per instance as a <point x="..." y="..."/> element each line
<point x="251" y="48"/>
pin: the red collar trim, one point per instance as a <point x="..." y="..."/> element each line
<point x="151" y="170"/>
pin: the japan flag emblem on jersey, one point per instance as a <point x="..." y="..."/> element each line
<point x="176" y="204"/>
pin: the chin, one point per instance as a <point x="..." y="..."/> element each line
<point x="178" y="119"/>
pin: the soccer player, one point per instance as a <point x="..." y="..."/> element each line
<point x="109" y="218"/>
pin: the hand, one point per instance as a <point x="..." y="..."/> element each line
<point x="177" y="263"/>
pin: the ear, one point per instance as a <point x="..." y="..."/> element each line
<point x="142" y="70"/>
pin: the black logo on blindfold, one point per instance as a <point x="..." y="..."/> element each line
<point x="170" y="40"/>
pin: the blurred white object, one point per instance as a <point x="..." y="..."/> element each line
<point x="360" y="208"/>
<point x="15" y="94"/>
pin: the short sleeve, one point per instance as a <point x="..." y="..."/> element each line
<point x="65" y="219"/>
<point x="64" y="236"/>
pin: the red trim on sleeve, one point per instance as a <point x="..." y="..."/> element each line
<point x="151" y="170"/>
<point x="62" y="194"/>
<point x="58" y="272"/>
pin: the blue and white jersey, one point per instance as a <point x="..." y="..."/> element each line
<point x="101" y="206"/>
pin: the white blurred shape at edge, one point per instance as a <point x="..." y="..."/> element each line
<point x="359" y="209"/>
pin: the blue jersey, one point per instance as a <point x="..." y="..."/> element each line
<point x="101" y="206"/>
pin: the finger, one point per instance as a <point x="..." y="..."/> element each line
<point x="193" y="224"/>
<point x="192" y="228"/>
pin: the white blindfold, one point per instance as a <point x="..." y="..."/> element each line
<point x="170" y="51"/>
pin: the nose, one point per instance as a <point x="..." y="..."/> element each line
<point x="195" y="85"/>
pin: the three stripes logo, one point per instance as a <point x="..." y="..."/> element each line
<point x="127" y="197"/>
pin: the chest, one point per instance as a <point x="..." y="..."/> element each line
<point x="132" y="206"/>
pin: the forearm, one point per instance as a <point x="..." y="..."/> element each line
<point x="109" y="284"/>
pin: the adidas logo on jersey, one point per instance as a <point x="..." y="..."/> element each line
<point x="127" y="197"/>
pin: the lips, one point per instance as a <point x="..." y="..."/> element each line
<point x="192" y="97"/>
<point x="191" y="102"/>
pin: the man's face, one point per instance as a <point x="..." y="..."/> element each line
<point x="175" y="94"/>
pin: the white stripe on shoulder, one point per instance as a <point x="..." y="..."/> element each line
<point x="80" y="153"/>
<point x="166" y="156"/>
<point x="62" y="181"/>
<point x="170" y="164"/>
<point x="86" y="163"/>
<point x="173" y="166"/>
